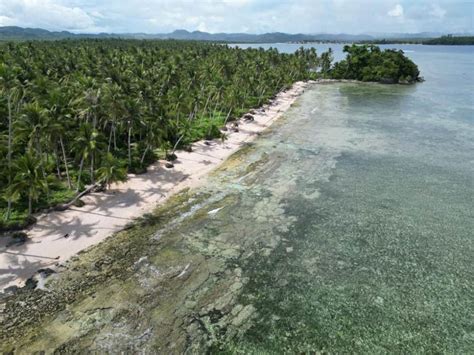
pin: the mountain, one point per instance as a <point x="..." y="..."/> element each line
<point x="18" y="33"/>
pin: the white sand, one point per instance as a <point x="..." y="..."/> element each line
<point x="106" y="213"/>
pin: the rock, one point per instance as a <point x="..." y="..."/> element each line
<point x="405" y="82"/>
<point x="18" y="238"/>
<point x="188" y="148"/>
<point x="171" y="157"/>
<point x="387" y="81"/>
<point x="11" y="290"/>
<point x="235" y="129"/>
<point x="243" y="316"/>
<point x="139" y="170"/>
<point x="79" y="203"/>
<point x="207" y="143"/>
<point x="169" y="165"/>
<point x="46" y="272"/>
<point x="225" y="129"/>
<point x="30" y="220"/>
<point x="249" y="117"/>
<point x="31" y="283"/>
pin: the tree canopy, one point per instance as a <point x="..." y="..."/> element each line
<point x="451" y="41"/>
<point x="84" y="112"/>
<point x="79" y="112"/>
<point x="370" y="63"/>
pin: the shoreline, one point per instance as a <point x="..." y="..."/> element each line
<point x="59" y="235"/>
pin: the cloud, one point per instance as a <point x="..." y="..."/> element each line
<point x="253" y="16"/>
<point x="43" y="13"/>
<point x="437" y="11"/>
<point x="397" y="11"/>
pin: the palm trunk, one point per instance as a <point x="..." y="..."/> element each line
<point x="58" y="163"/>
<point x="176" y="144"/>
<point x="10" y="133"/>
<point x="30" y="206"/>
<point x="115" y="138"/>
<point x="227" y="117"/>
<point x="129" y="147"/>
<point x="80" y="173"/>
<point x="92" y="169"/>
<point x="43" y="172"/>
<point x="110" y="138"/>
<point x="144" y="154"/>
<point x="94" y="124"/>
<point x="65" y="162"/>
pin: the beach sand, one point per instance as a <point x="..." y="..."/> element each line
<point x="57" y="236"/>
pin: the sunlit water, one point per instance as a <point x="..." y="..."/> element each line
<point x="348" y="227"/>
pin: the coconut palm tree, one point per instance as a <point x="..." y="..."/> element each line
<point x="111" y="170"/>
<point x="10" y="91"/>
<point x="77" y="100"/>
<point x="28" y="180"/>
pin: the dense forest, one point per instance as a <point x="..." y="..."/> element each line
<point x="370" y="63"/>
<point x="77" y="113"/>
<point x="81" y="113"/>
<point x="451" y="41"/>
<point x="444" y="40"/>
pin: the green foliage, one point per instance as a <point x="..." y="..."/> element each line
<point x="451" y="41"/>
<point x="72" y="112"/>
<point x="369" y="63"/>
<point x="112" y="170"/>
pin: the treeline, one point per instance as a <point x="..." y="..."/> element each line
<point x="451" y="41"/>
<point x="448" y="40"/>
<point x="393" y="41"/>
<point x="370" y="63"/>
<point x="81" y="113"/>
<point x="77" y="113"/>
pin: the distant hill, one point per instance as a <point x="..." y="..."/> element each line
<point x="18" y="33"/>
<point x="8" y="33"/>
<point x="12" y="33"/>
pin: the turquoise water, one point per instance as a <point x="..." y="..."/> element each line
<point x="345" y="228"/>
<point x="381" y="191"/>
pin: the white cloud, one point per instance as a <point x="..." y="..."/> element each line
<point x="236" y="3"/>
<point x="47" y="14"/>
<point x="6" y="21"/>
<point x="397" y="11"/>
<point x="437" y="11"/>
<point x="252" y="16"/>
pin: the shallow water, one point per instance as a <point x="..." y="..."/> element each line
<point x="347" y="227"/>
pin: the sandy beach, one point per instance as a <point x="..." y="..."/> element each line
<point x="57" y="236"/>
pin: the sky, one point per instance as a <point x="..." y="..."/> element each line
<point x="249" y="16"/>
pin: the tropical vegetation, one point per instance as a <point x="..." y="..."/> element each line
<point x="77" y="114"/>
<point x="85" y="112"/>
<point x="452" y="41"/>
<point x="370" y="63"/>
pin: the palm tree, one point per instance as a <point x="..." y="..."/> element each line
<point x="84" y="145"/>
<point x="28" y="180"/>
<point x="69" y="103"/>
<point x="8" y="81"/>
<point x="89" y="101"/>
<point x="58" y="116"/>
<point x="112" y="170"/>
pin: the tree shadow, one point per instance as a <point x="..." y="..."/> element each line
<point x="74" y="228"/>
<point x="20" y="268"/>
